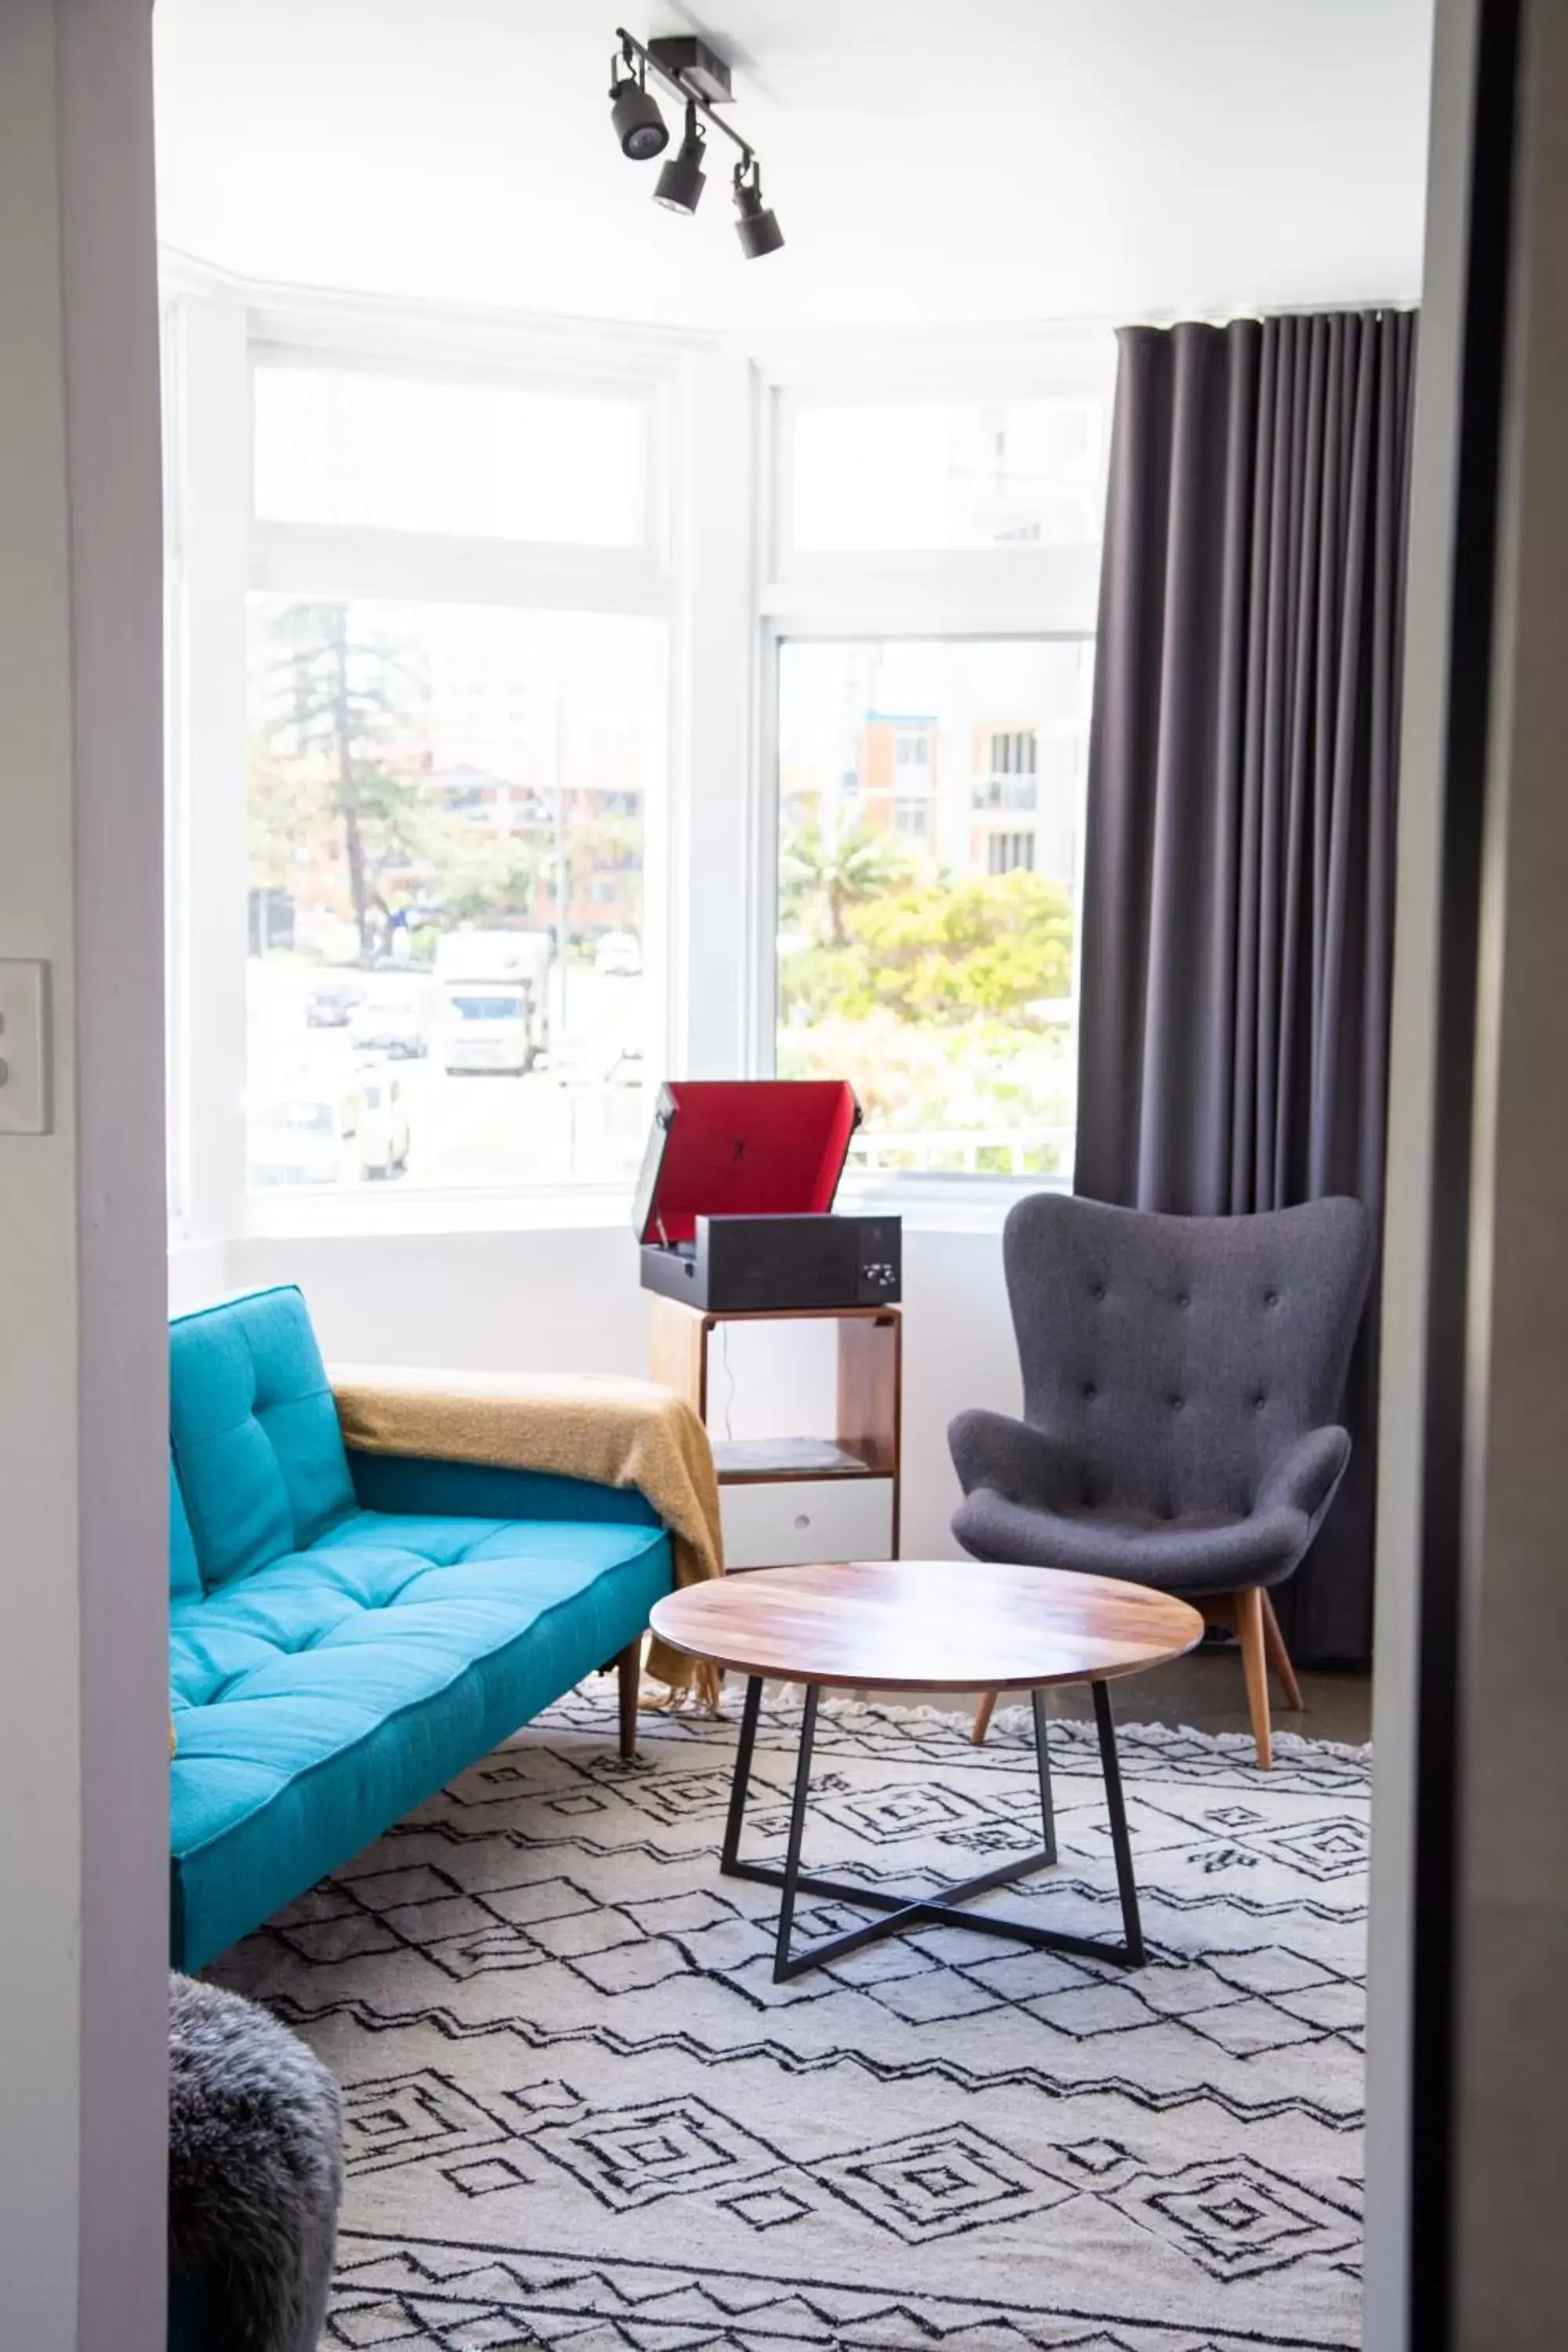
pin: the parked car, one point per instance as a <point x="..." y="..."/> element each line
<point x="395" y="1025"/>
<point x="331" y="1003"/>
<point x="619" y="955"/>
<point x="312" y="1131"/>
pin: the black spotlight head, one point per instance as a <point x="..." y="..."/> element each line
<point x="681" y="182"/>
<point x="757" y="229"/>
<point x="638" y="124"/>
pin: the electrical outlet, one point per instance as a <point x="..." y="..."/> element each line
<point x="24" y="1047"/>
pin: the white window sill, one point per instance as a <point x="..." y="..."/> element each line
<point x="944" y="1204"/>
<point x="309" y="1215"/>
<point x="933" y="1205"/>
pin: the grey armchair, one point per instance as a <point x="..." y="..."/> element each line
<point x="1180" y="1379"/>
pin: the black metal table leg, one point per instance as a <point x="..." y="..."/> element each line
<point x="1110" y="1764"/>
<point x="791" y="1879"/>
<point x="899" y="1910"/>
<point x="1043" y="1768"/>
<point x="742" y="1779"/>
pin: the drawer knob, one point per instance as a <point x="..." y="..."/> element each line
<point x="803" y="1519"/>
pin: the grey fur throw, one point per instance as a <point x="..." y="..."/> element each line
<point x="255" y="2169"/>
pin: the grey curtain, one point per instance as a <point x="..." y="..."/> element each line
<point x="1238" y="888"/>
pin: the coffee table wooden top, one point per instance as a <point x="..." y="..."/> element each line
<point x="926" y="1624"/>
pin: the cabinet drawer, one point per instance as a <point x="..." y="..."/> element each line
<point x="775" y="1524"/>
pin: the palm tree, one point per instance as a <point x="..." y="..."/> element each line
<point x="833" y="870"/>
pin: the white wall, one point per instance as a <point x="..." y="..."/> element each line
<point x="83" y="1668"/>
<point x="569" y="1301"/>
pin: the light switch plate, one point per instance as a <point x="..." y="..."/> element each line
<point x="24" y="1047"/>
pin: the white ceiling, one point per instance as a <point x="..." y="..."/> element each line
<point x="942" y="160"/>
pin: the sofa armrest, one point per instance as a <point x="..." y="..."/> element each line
<point x="1303" y="1479"/>
<point x="510" y="1419"/>
<point x="415" y="1486"/>
<point x="608" y="1432"/>
<point x="992" y="1449"/>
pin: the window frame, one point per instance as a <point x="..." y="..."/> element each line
<point x="717" y="407"/>
<point x="226" y="553"/>
<point x="305" y="557"/>
<point x="1032" y="364"/>
<point x="1033" y="593"/>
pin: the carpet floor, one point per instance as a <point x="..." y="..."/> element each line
<point x="581" y="2112"/>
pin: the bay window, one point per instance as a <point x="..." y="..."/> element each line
<point x="931" y="612"/>
<point x="553" y="712"/>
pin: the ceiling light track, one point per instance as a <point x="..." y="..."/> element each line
<point x="699" y="79"/>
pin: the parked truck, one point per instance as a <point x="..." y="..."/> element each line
<point x="493" y="995"/>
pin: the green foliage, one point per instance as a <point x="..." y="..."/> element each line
<point x="476" y="876"/>
<point x="338" y="718"/>
<point x="824" y="875"/>
<point x="1009" y="1076"/>
<point x="285" y="810"/>
<point x="338" y="774"/>
<point x="940" y="951"/>
<point x="990" y="943"/>
<point x="939" y="998"/>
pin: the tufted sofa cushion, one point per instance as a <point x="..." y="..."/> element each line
<point x="321" y="1695"/>
<point x="255" y="1433"/>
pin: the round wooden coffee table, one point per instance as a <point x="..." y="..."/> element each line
<point x="927" y="1626"/>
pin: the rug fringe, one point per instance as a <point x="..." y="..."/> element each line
<point x="1019" y="1721"/>
<point x="1223" y="1743"/>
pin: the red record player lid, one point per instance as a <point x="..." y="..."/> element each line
<point x="754" y="1147"/>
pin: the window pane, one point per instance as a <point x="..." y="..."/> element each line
<point x="446" y="808"/>
<point x="928" y="907"/>
<point x="907" y="475"/>
<point x="477" y="460"/>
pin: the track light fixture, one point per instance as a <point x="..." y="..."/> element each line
<point x="696" y="75"/>
<point x="634" y="117"/>
<point x="757" y="229"/>
<point x="681" y="182"/>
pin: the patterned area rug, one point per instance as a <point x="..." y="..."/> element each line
<point x="582" y="2114"/>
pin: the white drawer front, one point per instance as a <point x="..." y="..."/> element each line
<point x="775" y="1524"/>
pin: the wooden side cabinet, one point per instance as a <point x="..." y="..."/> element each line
<point x="788" y="1498"/>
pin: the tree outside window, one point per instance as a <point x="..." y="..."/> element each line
<point x="926" y="943"/>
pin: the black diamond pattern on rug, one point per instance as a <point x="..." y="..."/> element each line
<point x="581" y="2114"/>
<point x="666" y="2148"/>
<point x="1238" y="2218"/>
<point x="399" y="2120"/>
<point x="939" y="2182"/>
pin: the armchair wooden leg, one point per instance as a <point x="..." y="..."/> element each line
<point x="983" y="1715"/>
<point x="1278" y="1655"/>
<point x="1248" y="1607"/>
<point x="628" y="1671"/>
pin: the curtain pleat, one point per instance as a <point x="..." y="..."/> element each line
<point x="1237" y="923"/>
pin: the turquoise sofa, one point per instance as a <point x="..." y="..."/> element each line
<point x="348" y="1632"/>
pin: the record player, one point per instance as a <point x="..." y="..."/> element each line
<point x="734" y="1204"/>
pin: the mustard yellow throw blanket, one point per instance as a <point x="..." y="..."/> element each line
<point x="616" y="1432"/>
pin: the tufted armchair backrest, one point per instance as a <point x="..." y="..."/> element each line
<point x="254" y="1432"/>
<point x="1177" y="1358"/>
